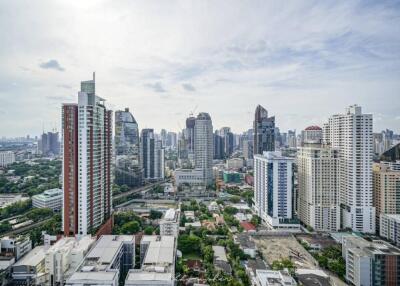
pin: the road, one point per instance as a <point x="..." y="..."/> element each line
<point x="138" y="190"/>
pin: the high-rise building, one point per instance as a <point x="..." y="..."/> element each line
<point x="128" y="170"/>
<point x="273" y="189"/>
<point x="87" y="152"/>
<point x="292" y="139"/>
<point x="351" y="134"/>
<point x="318" y="186"/>
<point x="386" y="190"/>
<point x="171" y="139"/>
<point x="49" y="143"/>
<point x="190" y="123"/>
<point x="151" y="155"/>
<point x="6" y="158"/>
<point x="218" y="146"/>
<point x="203" y="143"/>
<point x="264" y="131"/>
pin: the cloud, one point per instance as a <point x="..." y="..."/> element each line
<point x="157" y="87"/>
<point x="52" y="64"/>
<point x="188" y="87"/>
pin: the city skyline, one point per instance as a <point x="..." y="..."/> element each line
<point x="323" y="57"/>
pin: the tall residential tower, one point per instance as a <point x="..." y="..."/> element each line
<point x="87" y="151"/>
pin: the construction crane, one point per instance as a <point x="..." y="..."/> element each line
<point x="193" y="111"/>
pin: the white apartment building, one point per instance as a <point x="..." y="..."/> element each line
<point x="6" y="158"/>
<point x="389" y="227"/>
<point x="103" y="263"/>
<point x="273" y="189"/>
<point x="157" y="262"/>
<point x="169" y="225"/>
<point x="13" y="249"/>
<point x="351" y="134"/>
<point x="318" y="187"/>
<point x="51" y="199"/>
<point x="30" y="269"/>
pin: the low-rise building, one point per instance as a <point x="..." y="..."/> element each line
<point x="220" y="260"/>
<point x="231" y="177"/>
<point x="213" y="207"/>
<point x="51" y="199"/>
<point x="63" y="257"/>
<point x="390" y="227"/>
<point x="15" y="246"/>
<point x="371" y="262"/>
<point x="190" y="215"/>
<point x="30" y="269"/>
<point x="158" y="263"/>
<point x="247" y="244"/>
<point x="274" y="278"/>
<point x="191" y="177"/>
<point x="169" y="225"/>
<point x="234" y="163"/>
<point x="103" y="264"/>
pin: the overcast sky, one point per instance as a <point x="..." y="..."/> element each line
<point x="164" y="59"/>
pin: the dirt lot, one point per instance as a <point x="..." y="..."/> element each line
<point x="276" y="248"/>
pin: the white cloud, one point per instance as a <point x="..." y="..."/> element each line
<point x="308" y="58"/>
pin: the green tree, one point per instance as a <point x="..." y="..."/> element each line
<point x="189" y="243"/>
<point x="154" y="214"/>
<point x="131" y="227"/>
<point x="149" y="230"/>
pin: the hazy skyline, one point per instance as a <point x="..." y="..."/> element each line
<point x="302" y="62"/>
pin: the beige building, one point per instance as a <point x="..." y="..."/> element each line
<point x="318" y="187"/>
<point x="386" y="190"/>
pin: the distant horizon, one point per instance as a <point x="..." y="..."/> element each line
<point x="303" y="62"/>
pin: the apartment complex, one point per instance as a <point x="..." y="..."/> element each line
<point x="87" y="151"/>
<point x="318" y="186"/>
<point x="273" y="189"/>
<point x="351" y="135"/>
<point x="371" y="263"/>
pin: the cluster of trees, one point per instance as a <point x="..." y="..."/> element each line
<point x="15" y="209"/>
<point x="45" y="176"/>
<point x="331" y="258"/>
<point x="52" y="227"/>
<point x="228" y="213"/>
<point x="130" y="223"/>
<point x="116" y="189"/>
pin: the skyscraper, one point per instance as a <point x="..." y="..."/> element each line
<point x="128" y="170"/>
<point x="87" y="151"/>
<point x="318" y="185"/>
<point x="351" y="134"/>
<point x="190" y="123"/>
<point x="49" y="143"/>
<point x="151" y="155"/>
<point x="264" y="131"/>
<point x="203" y="143"/>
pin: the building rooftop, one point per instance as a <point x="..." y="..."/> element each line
<point x="219" y="253"/>
<point x="101" y="256"/>
<point x="313" y="127"/>
<point x="33" y="257"/>
<point x="274" y="278"/>
<point x="248" y="226"/>
<point x="49" y="194"/>
<point x="160" y="252"/>
<point x="366" y="248"/>
<point x="395" y="217"/>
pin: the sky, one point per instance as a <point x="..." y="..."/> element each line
<point x="302" y="60"/>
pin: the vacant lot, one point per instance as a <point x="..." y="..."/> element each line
<point x="276" y="248"/>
